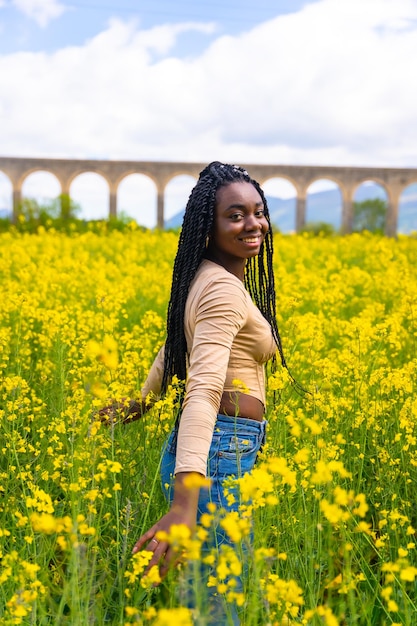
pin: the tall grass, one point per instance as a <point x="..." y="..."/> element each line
<point x="332" y="498"/>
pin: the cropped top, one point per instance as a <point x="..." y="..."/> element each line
<point x="227" y="339"/>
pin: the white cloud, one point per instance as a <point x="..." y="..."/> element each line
<point x="330" y="84"/>
<point x="42" y="11"/>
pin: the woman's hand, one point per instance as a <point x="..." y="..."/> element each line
<point x="164" y="555"/>
<point x="183" y="511"/>
<point x="125" y="411"/>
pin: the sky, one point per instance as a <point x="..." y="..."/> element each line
<point x="328" y="82"/>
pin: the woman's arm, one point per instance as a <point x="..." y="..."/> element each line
<point x="215" y="319"/>
<point x="220" y="313"/>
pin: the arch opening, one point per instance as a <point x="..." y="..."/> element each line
<point x="176" y="194"/>
<point x="281" y="196"/>
<point x="407" y="210"/>
<point x="44" y="189"/>
<point x="324" y="203"/>
<point x="90" y="191"/>
<point x="137" y="199"/>
<point x="370" y="204"/>
<point x="6" y="197"/>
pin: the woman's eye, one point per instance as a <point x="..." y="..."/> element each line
<point x="236" y="217"/>
<point x="260" y="213"/>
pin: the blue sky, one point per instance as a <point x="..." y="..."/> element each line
<point x="46" y="25"/>
<point x="291" y="81"/>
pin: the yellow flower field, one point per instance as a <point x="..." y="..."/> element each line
<point x="333" y="497"/>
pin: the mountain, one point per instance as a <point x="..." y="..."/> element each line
<point x="326" y="206"/>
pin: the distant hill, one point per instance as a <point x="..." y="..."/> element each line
<point x="326" y="206"/>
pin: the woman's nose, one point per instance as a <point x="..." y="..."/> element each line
<point x="252" y="223"/>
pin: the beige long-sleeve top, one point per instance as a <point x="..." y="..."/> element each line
<point x="227" y="338"/>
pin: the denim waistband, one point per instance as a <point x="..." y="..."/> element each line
<point x="239" y="422"/>
<point x="238" y="425"/>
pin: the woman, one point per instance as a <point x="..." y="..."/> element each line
<point x="221" y="327"/>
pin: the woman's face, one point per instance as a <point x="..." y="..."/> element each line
<point x="240" y="224"/>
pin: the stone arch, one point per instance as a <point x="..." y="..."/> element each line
<point x="407" y="209"/>
<point x="176" y="193"/>
<point x="29" y="171"/>
<point x="375" y="181"/>
<point x="262" y="180"/>
<point x="137" y="197"/>
<point x="35" y="183"/>
<point x="79" y="171"/>
<point x="281" y="195"/>
<point x="132" y="171"/>
<point x="394" y="180"/>
<point x="94" y="201"/>
<point x="324" y="202"/>
<point x="6" y="196"/>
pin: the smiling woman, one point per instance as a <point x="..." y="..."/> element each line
<point x="221" y="328"/>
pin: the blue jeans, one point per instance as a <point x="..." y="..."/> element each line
<point x="235" y="445"/>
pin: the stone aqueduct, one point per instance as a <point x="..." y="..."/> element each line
<point x="393" y="180"/>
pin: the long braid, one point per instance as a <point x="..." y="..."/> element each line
<point x="260" y="281"/>
<point x="196" y="228"/>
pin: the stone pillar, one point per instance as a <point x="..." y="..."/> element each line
<point x="65" y="199"/>
<point x="17" y="199"/>
<point x="113" y="199"/>
<point x="347" y="211"/>
<point x="393" y="201"/>
<point x="300" y="216"/>
<point x="160" y="218"/>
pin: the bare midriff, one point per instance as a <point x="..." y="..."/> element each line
<point x="241" y="405"/>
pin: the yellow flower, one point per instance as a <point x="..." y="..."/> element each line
<point x="362" y="507"/>
<point x="151" y="578"/>
<point x="139" y="562"/>
<point x="283" y="593"/>
<point x="105" y="352"/>
<point x="302" y="456"/>
<point x="40" y="501"/>
<point x="235" y="526"/>
<point x="240" y="386"/>
<point x="408" y="574"/>
<point x="392" y="606"/>
<point x="196" y="481"/>
<point x="178" y="534"/>
<point x="364" y="527"/>
<point x="324" y="471"/>
<point x="114" y="467"/>
<point x="44" y="523"/>
<point x="169" y="617"/>
<point x="333" y="513"/>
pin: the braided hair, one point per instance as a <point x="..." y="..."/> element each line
<point x="196" y="227"/>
